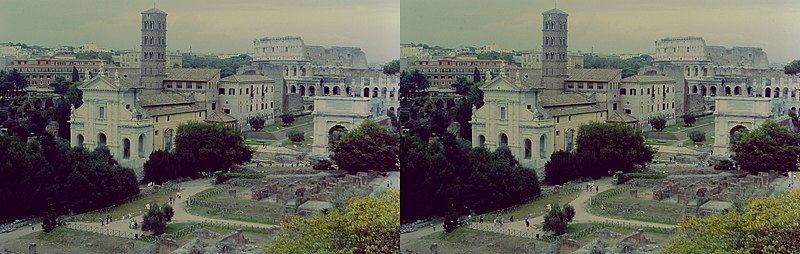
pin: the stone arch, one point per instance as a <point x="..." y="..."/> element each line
<point x="735" y="135"/>
<point x="481" y="140"/>
<point x="794" y="110"/>
<point x="231" y="91"/>
<point x="785" y="92"/>
<point x="366" y="92"/>
<point x="542" y="146"/>
<point x="777" y="92"/>
<point x="80" y="139"/>
<point x="302" y="90"/>
<point x="528" y="148"/>
<point x="694" y="89"/>
<point x="703" y="90"/>
<point x="101" y="139"/>
<point x="326" y="90"/>
<point x="126" y="148"/>
<point x="293" y="89"/>
<point x="348" y="91"/>
<point x="294" y="71"/>
<point x="737" y="90"/>
<point x="503" y="139"/>
<point x="335" y="132"/>
<point x="302" y="71"/>
<point x="141" y="146"/>
<point x="168" y="138"/>
<point x="311" y="90"/>
<point x="767" y="92"/>
<point x="727" y="91"/>
<point x="713" y="91"/>
<point x="749" y="91"/>
<point x="391" y="93"/>
<point x="701" y="192"/>
<point x="336" y="90"/>
<point x="374" y="92"/>
<point x="383" y="92"/>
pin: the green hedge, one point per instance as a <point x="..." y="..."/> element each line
<point x="628" y="176"/>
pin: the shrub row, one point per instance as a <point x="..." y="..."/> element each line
<point x="628" y="176"/>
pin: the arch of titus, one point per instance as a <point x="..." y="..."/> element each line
<point x="735" y="113"/>
<point x="336" y="112"/>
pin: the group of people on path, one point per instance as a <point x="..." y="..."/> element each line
<point x="591" y="186"/>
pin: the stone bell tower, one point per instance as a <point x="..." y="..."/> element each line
<point x="154" y="50"/>
<point x="554" y="50"/>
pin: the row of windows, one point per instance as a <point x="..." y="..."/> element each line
<point x="126" y="144"/>
<point x="49" y="70"/>
<point x="451" y="70"/>
<point x="232" y="91"/>
<point x="623" y="91"/>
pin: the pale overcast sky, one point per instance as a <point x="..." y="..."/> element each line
<point x="608" y="26"/>
<point x="207" y="25"/>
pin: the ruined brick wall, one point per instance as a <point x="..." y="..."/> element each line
<point x="695" y="103"/>
<point x="337" y="56"/>
<point x="738" y="56"/>
<point x="293" y="103"/>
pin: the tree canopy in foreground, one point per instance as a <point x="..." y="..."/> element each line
<point x="369" y="225"/>
<point x="768" y="225"/>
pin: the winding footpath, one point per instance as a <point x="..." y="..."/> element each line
<point x="518" y="228"/>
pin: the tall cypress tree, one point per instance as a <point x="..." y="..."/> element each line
<point x="476" y="76"/>
<point x="75" y="76"/>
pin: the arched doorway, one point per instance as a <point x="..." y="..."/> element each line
<point x="126" y="148"/>
<point x="101" y="139"/>
<point x="703" y="90"/>
<point x="750" y="91"/>
<point x="293" y="89"/>
<point x="336" y="90"/>
<point x="713" y="91"/>
<point x="481" y="140"/>
<point x="767" y="92"/>
<point x="311" y="91"/>
<point x="542" y="147"/>
<point x="366" y="92"/>
<point x="727" y="91"/>
<point x="694" y="89"/>
<point x="326" y="90"/>
<point x="503" y="139"/>
<point x="374" y="92"/>
<point x="302" y="91"/>
<point x="528" y="147"/>
<point x="141" y="145"/>
<point x="737" y="90"/>
<point x="335" y="132"/>
<point x="80" y="140"/>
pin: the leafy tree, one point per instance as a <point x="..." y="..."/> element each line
<point x="391" y="68"/>
<point x="792" y="68"/>
<point x="154" y="220"/>
<point x="168" y="212"/>
<point x="561" y="168"/>
<point x="768" y="147"/>
<point x="60" y="85"/>
<point x="557" y="218"/>
<point x="795" y="120"/>
<point x="203" y="147"/>
<point x="323" y="165"/>
<point x="724" y="165"/>
<point x="161" y="167"/>
<point x="658" y="123"/>
<point x="257" y="123"/>
<point x="766" y="226"/>
<point x="105" y="56"/>
<point x="506" y="57"/>
<point x="74" y="95"/>
<point x="476" y="75"/>
<point x="287" y="119"/>
<point x="614" y="146"/>
<point x="629" y="67"/>
<point x="227" y="66"/>
<point x="697" y="136"/>
<point x="49" y="222"/>
<point x="412" y="84"/>
<point x="689" y="119"/>
<point x="369" y="225"/>
<point x="75" y="75"/>
<point x="296" y="136"/>
<point x="368" y="147"/>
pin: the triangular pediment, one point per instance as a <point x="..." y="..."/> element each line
<point x="100" y="84"/>
<point x="501" y="84"/>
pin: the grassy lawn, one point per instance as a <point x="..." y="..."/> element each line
<point x="278" y="125"/>
<point x="659" y="142"/>
<point x="258" y="142"/>
<point x="247" y="210"/>
<point x="137" y="207"/>
<point x="539" y="207"/>
<point x="577" y="227"/>
<point x="680" y="126"/>
<point x="175" y="227"/>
